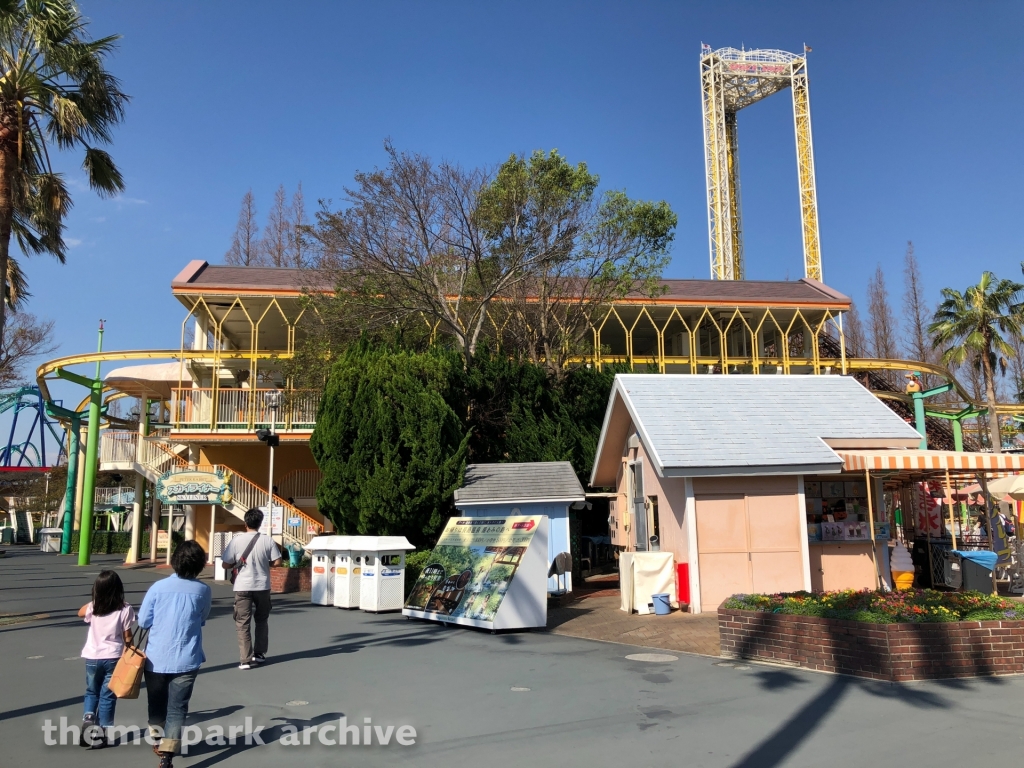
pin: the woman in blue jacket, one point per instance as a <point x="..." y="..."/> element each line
<point x="174" y="610"/>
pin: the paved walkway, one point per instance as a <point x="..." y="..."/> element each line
<point x="524" y="698"/>
<point x="599" y="617"/>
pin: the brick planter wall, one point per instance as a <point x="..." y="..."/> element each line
<point x="291" y="580"/>
<point x="895" y="652"/>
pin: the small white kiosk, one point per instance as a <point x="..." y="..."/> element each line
<point x="323" y="551"/>
<point x="546" y="488"/>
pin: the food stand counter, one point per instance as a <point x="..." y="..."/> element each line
<point x="839" y="540"/>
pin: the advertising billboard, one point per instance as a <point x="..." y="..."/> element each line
<point x="479" y="566"/>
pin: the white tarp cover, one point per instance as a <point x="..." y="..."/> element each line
<point x="642" y="574"/>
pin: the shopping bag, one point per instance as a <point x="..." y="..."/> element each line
<point x="127" y="677"/>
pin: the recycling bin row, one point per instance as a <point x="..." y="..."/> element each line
<point x="365" y="572"/>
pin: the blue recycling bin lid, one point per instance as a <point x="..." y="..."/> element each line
<point x="984" y="559"/>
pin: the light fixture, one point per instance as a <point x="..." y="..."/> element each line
<point x="266" y="436"/>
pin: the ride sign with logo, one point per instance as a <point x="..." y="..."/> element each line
<point x="194" y="486"/>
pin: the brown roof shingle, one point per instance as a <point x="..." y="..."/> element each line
<point x="200" y="276"/>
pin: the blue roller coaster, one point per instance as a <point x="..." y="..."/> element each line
<point x="32" y="452"/>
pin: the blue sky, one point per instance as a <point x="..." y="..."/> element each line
<point x="916" y="112"/>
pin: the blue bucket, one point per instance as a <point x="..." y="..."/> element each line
<point x="662" y="606"/>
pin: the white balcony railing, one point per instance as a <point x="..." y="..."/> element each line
<point x="243" y="410"/>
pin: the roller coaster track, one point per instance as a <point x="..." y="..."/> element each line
<point x="882" y="364"/>
<point x="32" y="452"/>
<point x="854" y="365"/>
<point x="46" y="372"/>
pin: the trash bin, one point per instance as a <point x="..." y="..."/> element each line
<point x="295" y="556"/>
<point x="6" y="535"/>
<point x="347" y="575"/>
<point x="977" y="570"/>
<point x="952" y="569"/>
<point x="382" y="584"/>
<point x="49" y="539"/>
<point x="323" y="549"/>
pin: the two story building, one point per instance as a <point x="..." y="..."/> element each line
<point x="204" y="404"/>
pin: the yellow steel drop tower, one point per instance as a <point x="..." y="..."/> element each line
<point x="731" y="80"/>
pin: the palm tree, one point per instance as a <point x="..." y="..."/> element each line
<point x="976" y="325"/>
<point x="54" y="95"/>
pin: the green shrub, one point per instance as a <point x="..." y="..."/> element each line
<point x="391" y="448"/>
<point x="117" y="542"/>
<point x="921" y="605"/>
<point x="415" y="562"/>
<point x="305" y="562"/>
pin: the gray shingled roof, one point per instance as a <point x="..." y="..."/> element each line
<point x="509" y="483"/>
<point x="693" y="425"/>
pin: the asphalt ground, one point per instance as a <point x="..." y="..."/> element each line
<point x="476" y="699"/>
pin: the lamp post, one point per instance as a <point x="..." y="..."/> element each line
<point x="273" y="402"/>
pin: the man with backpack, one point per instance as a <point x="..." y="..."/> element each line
<point x="249" y="558"/>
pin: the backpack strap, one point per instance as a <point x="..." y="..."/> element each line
<point x="248" y="549"/>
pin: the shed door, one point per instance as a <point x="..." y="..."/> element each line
<point x="747" y="544"/>
<point x="723" y="550"/>
<point x="777" y="562"/>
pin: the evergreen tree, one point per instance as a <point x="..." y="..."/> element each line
<point x="389" y="445"/>
<point x="517" y="411"/>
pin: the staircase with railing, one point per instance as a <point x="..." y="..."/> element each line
<point x="299" y="484"/>
<point x="152" y="457"/>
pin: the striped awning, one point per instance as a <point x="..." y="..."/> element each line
<point x="923" y="461"/>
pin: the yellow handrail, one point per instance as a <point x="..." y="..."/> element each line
<point x="249" y="493"/>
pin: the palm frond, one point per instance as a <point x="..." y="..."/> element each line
<point x="103" y="175"/>
<point x="16" y="290"/>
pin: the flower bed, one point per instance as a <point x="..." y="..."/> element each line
<point x="916" y="606"/>
<point x="919" y="635"/>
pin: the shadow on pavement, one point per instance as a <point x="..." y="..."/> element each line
<point x="268" y="735"/>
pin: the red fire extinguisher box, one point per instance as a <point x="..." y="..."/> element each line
<point x="683" y="584"/>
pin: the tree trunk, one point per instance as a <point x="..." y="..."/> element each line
<point x="990" y="398"/>
<point x="7" y="161"/>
